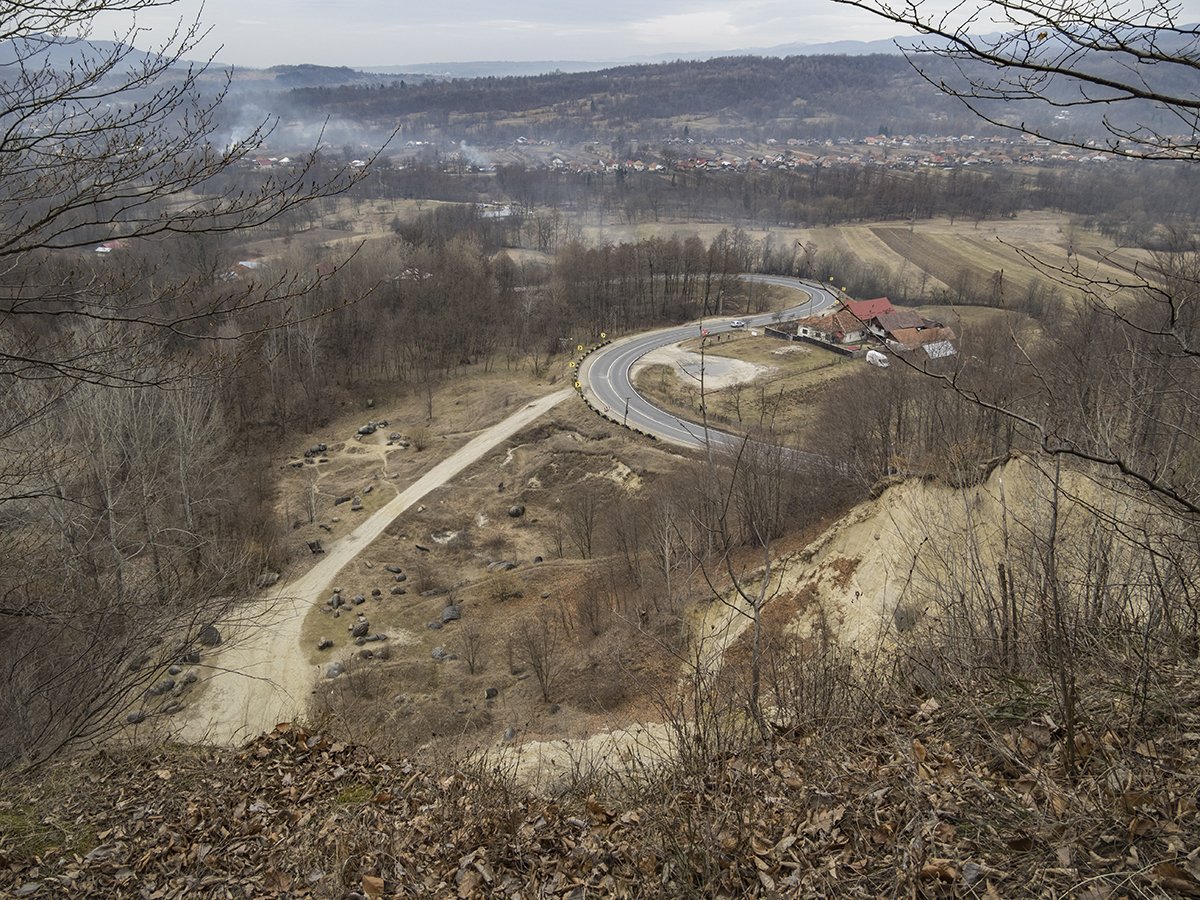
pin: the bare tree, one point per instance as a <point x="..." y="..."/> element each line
<point x="1126" y="64"/>
<point x="108" y="142"/>
<point x="470" y="646"/>
<point x="537" y="642"/>
<point x="113" y="547"/>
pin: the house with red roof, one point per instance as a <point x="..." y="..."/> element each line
<point x="866" y="310"/>
<point x="832" y="328"/>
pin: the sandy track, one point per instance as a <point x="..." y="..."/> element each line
<point x="262" y="675"/>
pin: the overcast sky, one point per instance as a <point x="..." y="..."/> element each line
<point x="363" y="33"/>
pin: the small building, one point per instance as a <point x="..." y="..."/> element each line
<point x="834" y="328"/>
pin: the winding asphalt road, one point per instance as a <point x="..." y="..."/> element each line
<point x="607" y="373"/>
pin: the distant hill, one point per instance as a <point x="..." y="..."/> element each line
<point x="504" y="68"/>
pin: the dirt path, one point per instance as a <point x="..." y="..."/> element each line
<point x="262" y="676"/>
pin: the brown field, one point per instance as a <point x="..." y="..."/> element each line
<point x="932" y="255"/>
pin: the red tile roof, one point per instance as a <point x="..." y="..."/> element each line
<point x="866" y="310"/>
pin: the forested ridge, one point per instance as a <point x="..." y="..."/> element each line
<point x="795" y="96"/>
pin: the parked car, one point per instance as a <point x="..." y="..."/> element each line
<point x="737" y="323"/>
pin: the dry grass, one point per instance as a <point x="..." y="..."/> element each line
<point x="798" y="374"/>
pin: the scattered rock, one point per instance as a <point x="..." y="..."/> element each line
<point x="189" y="678"/>
<point x="335" y="670"/>
<point x="358" y="599"/>
<point x="267" y="579"/>
<point x="537" y="559"/>
<point x="383" y="652"/>
<point x="434" y="625"/>
<point x="174" y="670"/>
<point x="190" y="657"/>
<point x="360" y="628"/>
<point x="370" y="404"/>
<point x="516" y="511"/>
<point x="439" y="653"/>
<point x="451" y="614"/>
<point x="324" y="643"/>
<point x="368" y="489"/>
<point x="376" y="592"/>
<point x="510" y="733"/>
<point x="136" y="716"/>
<point x="163" y="687"/>
<point x="365" y="654"/>
<point x="171" y="708"/>
<point x="367" y="429"/>
<point x="400" y="578"/>
<point x="397" y="591"/>
<point x="209" y="636"/>
<point x="395" y="570"/>
<point x="491" y="694"/>
<point x="375" y="637"/>
<point x="344" y="498"/>
<point x="356" y="506"/>
<point x="395" y="436"/>
<point x="553" y="709"/>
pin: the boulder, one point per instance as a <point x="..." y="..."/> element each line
<point x="360" y="628"/>
<point x="397" y="591"/>
<point x="400" y="578"/>
<point x="376" y="592"/>
<point x="356" y="506"/>
<point x="395" y="570"/>
<point x="358" y="599"/>
<point x="491" y="694"/>
<point x="439" y="653"/>
<point x="163" y="687"/>
<point x="451" y="614"/>
<point x="367" y="429"/>
<point x="209" y="636"/>
<point x="335" y="670"/>
<point x="267" y="579"/>
<point x="324" y="643"/>
<point x="516" y="511"/>
<point x="345" y="498"/>
<point x="368" y="489"/>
